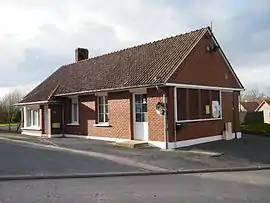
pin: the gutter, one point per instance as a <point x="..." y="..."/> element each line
<point x="110" y="89"/>
<point x="30" y="103"/>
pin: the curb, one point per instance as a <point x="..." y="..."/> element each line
<point x="129" y="174"/>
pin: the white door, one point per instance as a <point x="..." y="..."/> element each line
<point x="140" y="117"/>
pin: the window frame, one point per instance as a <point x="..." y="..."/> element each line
<point x="32" y="118"/>
<point x="200" y="119"/>
<point x="74" y="100"/>
<point x="104" y="104"/>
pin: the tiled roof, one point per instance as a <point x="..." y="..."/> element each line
<point x="250" y="106"/>
<point x="262" y="103"/>
<point x="143" y="65"/>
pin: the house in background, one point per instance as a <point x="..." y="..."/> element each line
<point x="174" y="92"/>
<point x="265" y="108"/>
<point x="248" y="106"/>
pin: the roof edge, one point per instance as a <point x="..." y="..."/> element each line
<point x="30" y="103"/>
<point x="109" y="90"/>
<point x="260" y="105"/>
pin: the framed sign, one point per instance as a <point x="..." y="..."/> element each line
<point x="216" y="109"/>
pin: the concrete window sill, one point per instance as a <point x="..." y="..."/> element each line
<point x="102" y="125"/>
<point x="73" y="124"/>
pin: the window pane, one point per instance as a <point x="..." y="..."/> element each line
<point x="100" y="100"/>
<point x="75" y="112"/>
<point x="193" y="104"/>
<point x="216" y="109"/>
<point x="106" y="100"/>
<point x="138" y="108"/>
<point x="106" y="109"/>
<point x="28" y="118"/>
<point x="34" y="118"/>
<point x="205" y="104"/>
<point x="38" y="119"/>
<point x="144" y="107"/>
<point x="106" y="117"/>
<point x="138" y="98"/>
<point x="100" y="118"/>
<point x="101" y="109"/>
<point x="144" y="117"/>
<point x="181" y="104"/>
<point x="138" y="117"/>
<point x="215" y="95"/>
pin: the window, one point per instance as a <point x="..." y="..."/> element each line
<point x="32" y="118"/>
<point x="141" y="107"/>
<point x="103" y="109"/>
<point x="182" y="104"/>
<point x="197" y="104"/>
<point x="74" y="110"/>
<point x="193" y="101"/>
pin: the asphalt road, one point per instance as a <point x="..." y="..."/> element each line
<point x="200" y="188"/>
<point x="18" y="159"/>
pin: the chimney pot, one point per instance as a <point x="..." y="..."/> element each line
<point x="81" y="54"/>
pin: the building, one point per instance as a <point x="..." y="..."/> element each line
<point x="265" y="108"/>
<point x="249" y="106"/>
<point x="174" y="92"/>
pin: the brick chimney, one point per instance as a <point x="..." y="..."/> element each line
<point x="81" y="54"/>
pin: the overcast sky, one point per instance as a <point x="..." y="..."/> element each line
<point x="37" y="36"/>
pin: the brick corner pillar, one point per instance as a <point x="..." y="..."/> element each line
<point x="41" y="120"/>
<point x="49" y="123"/>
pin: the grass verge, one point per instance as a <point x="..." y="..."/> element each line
<point x="263" y="128"/>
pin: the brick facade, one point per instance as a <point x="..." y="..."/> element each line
<point x="200" y="129"/>
<point x="199" y="68"/>
<point x="208" y="69"/>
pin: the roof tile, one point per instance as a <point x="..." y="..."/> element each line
<point x="146" y="64"/>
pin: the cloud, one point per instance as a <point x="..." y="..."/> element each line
<point x="38" y="36"/>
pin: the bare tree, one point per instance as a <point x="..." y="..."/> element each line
<point x="8" y="108"/>
<point x="252" y="95"/>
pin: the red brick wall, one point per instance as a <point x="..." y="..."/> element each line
<point x="155" y="121"/>
<point x="204" y="68"/>
<point x="209" y="69"/>
<point x="120" y="116"/>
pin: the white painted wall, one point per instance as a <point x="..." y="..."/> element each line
<point x="266" y="112"/>
<point x="241" y="108"/>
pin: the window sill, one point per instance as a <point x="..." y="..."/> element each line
<point x="102" y="125"/>
<point x="199" y="120"/>
<point x="31" y="128"/>
<point x="73" y="123"/>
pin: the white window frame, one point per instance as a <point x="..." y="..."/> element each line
<point x="201" y="119"/>
<point x="74" y="100"/>
<point x="102" y="123"/>
<point x="29" y="122"/>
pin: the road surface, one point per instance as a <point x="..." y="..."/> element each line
<point x="18" y="159"/>
<point x="219" y="187"/>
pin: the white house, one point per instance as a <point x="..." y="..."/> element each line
<point x="265" y="107"/>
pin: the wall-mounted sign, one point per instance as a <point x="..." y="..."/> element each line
<point x="56" y="125"/>
<point x="215" y="109"/>
<point x="160" y="108"/>
<point x="207" y="109"/>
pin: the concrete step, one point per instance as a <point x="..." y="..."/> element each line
<point x="133" y="144"/>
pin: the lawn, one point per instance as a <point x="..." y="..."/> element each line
<point x="6" y="124"/>
<point x="256" y="128"/>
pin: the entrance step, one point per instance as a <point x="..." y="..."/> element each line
<point x="133" y="144"/>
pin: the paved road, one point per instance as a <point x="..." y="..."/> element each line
<point x="248" y="151"/>
<point x="218" y="187"/>
<point x="25" y="160"/>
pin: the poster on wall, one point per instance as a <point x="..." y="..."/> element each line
<point x="215" y="109"/>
